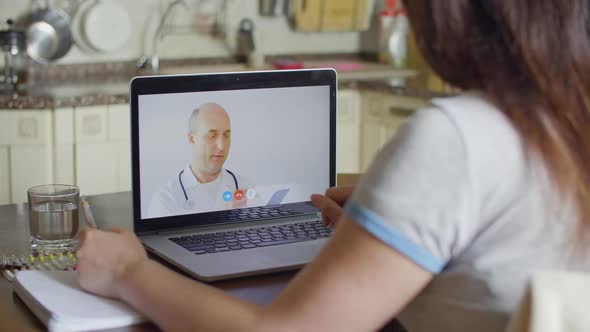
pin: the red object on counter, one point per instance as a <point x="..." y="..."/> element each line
<point x="288" y="64"/>
<point x="337" y="65"/>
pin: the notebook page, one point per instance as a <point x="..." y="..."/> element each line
<point x="59" y="293"/>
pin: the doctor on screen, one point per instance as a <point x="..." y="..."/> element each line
<point x="204" y="185"/>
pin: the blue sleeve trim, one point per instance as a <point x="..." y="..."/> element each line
<point x="374" y="224"/>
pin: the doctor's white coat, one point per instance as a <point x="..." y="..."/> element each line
<point x="204" y="197"/>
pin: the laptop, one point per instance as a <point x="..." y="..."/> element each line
<point x="224" y="165"/>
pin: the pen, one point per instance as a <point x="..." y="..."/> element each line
<point x="87" y="213"/>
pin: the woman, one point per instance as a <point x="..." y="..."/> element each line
<point x="475" y="194"/>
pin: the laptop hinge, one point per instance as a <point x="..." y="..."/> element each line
<point x="221" y="227"/>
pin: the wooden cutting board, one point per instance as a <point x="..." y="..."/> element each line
<point x="332" y="15"/>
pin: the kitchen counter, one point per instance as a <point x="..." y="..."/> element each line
<point x="67" y="95"/>
<point x="114" y="89"/>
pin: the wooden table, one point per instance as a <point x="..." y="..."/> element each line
<point x="110" y="210"/>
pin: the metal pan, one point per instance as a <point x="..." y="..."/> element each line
<point x="48" y="34"/>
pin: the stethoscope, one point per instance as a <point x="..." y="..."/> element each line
<point x="188" y="203"/>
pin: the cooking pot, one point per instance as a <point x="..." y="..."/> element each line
<point x="48" y="34"/>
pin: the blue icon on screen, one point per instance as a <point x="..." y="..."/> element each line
<point x="227" y="195"/>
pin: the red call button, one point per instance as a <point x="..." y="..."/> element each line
<point x="238" y="194"/>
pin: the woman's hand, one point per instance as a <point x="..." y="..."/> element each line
<point x="331" y="203"/>
<point x="105" y="258"/>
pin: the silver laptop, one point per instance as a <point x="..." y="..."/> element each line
<point x="224" y="165"/>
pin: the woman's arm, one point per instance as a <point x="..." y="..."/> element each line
<point x="354" y="270"/>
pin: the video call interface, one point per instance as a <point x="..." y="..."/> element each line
<point x="222" y="150"/>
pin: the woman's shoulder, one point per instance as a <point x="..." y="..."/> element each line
<point x="493" y="152"/>
<point x="486" y="132"/>
<point x="474" y="114"/>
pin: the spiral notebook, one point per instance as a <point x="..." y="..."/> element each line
<point x="57" y="300"/>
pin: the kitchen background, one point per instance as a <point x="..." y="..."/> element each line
<point x="66" y="120"/>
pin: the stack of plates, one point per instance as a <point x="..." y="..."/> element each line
<point x="101" y="26"/>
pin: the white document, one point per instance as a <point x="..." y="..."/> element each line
<point x="56" y="298"/>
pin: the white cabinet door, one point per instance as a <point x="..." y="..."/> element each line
<point x="102" y="149"/>
<point x="398" y="110"/>
<point x="5" y="124"/>
<point x="4" y="176"/>
<point x="372" y="127"/>
<point x="63" y="118"/>
<point x="97" y="168"/>
<point x="64" y="164"/>
<point x="26" y="127"/>
<point x="91" y="124"/>
<point x="64" y="138"/>
<point x="348" y="131"/>
<point x="30" y="165"/>
<point x="120" y="136"/>
<point x="6" y="127"/>
<point x="385" y="113"/>
<point x="31" y="150"/>
<point x="119" y="123"/>
<point x="124" y="167"/>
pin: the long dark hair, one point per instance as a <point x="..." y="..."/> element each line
<point x="532" y="57"/>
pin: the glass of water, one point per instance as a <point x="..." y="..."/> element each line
<point x="53" y="217"/>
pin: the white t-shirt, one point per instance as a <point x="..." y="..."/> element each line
<point x="203" y="197"/>
<point x="453" y="192"/>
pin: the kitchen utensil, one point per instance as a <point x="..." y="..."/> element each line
<point x="332" y="15"/>
<point x="48" y="34"/>
<point x="12" y="45"/>
<point x="249" y="43"/>
<point x="273" y="7"/>
<point x="246" y="36"/>
<point x="107" y="37"/>
<point x="77" y="27"/>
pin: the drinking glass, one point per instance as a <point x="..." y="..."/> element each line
<point x="53" y="217"/>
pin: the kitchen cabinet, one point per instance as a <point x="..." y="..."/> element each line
<point x="348" y="131"/>
<point x="64" y="138"/>
<point x="119" y="123"/>
<point x="91" y="124"/>
<point x="5" y="186"/>
<point x="27" y="146"/>
<point x="366" y="120"/>
<point x="88" y="146"/>
<point x="4" y="176"/>
<point x="30" y="165"/>
<point x="25" y="127"/>
<point x="124" y="166"/>
<point x="65" y="171"/>
<point x="383" y="114"/>
<point x="96" y="168"/>
<point x="102" y="149"/>
<point x="120" y="136"/>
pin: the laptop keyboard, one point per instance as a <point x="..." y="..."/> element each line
<point x="264" y="236"/>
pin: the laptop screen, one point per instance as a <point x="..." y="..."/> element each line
<point x="219" y="150"/>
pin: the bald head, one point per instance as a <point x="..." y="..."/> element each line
<point x="204" y="113"/>
<point x="210" y="137"/>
